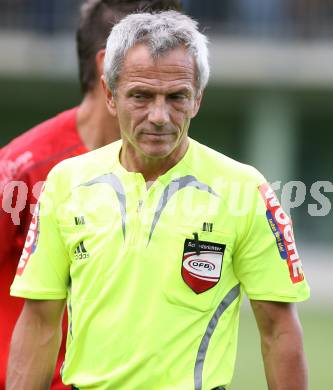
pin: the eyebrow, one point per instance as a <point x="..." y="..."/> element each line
<point x="181" y="91"/>
<point x="144" y="89"/>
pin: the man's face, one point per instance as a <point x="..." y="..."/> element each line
<point x="155" y="101"/>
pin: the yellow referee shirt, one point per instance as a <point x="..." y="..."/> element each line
<point x="154" y="277"/>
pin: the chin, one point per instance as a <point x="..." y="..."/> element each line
<point x="156" y="149"/>
<point x="157" y="152"/>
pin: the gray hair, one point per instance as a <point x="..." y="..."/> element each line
<point x="162" y="31"/>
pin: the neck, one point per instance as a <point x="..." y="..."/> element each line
<point x="96" y="126"/>
<point x="151" y="168"/>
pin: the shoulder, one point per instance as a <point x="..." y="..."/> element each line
<point x="36" y="145"/>
<point x="215" y="165"/>
<point x="40" y="136"/>
<point x="72" y="172"/>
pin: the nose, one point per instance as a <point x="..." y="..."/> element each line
<point x="159" y="112"/>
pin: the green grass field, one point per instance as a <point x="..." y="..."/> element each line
<point x="318" y="339"/>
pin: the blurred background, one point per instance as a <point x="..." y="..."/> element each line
<point x="269" y="103"/>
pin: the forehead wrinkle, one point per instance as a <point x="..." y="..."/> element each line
<point x="158" y="68"/>
<point x="150" y="79"/>
<point x="149" y="83"/>
<point x="175" y="67"/>
<point x="162" y="72"/>
<point x="158" y="87"/>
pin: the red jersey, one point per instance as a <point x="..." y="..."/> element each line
<point x="24" y="165"/>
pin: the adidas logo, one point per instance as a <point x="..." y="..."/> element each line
<point x="81" y="252"/>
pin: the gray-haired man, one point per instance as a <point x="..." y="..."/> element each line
<point x="139" y="236"/>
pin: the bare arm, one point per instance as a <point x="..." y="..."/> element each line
<point x="281" y="345"/>
<point x="35" y="345"/>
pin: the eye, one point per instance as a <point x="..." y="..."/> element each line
<point x="177" y="96"/>
<point x="139" y="96"/>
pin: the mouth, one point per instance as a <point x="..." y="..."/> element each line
<point x="157" y="135"/>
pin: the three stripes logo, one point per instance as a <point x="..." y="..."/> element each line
<point x="81" y="252"/>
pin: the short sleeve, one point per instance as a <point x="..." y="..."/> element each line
<point x="266" y="260"/>
<point x="43" y="269"/>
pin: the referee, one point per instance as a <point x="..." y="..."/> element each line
<point x="142" y="240"/>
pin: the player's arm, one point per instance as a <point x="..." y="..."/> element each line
<point x="281" y="345"/>
<point x="35" y="345"/>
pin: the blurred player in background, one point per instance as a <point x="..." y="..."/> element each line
<point x="26" y="161"/>
<point x="142" y="239"/>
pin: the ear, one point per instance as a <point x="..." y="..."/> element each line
<point x="99" y="60"/>
<point x="197" y="103"/>
<point x="109" y="98"/>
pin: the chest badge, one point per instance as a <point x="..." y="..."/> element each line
<point x="202" y="264"/>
